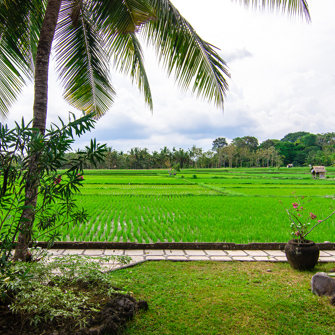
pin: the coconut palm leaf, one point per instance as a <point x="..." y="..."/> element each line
<point x="126" y="51"/>
<point x="11" y="84"/>
<point x="19" y="29"/>
<point x="183" y="52"/>
<point x="124" y="16"/>
<point x="292" y="7"/>
<point x="82" y="63"/>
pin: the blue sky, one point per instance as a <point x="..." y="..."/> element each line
<point x="283" y="80"/>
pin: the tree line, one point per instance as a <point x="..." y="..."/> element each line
<point x="299" y="148"/>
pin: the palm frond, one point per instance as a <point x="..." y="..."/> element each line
<point x="10" y="85"/>
<point x="193" y="60"/>
<point x="126" y="51"/>
<point x="82" y="63"/>
<point x="291" y="7"/>
<point x="124" y="16"/>
<point x="18" y="33"/>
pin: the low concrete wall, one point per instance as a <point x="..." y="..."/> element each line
<point x="175" y="245"/>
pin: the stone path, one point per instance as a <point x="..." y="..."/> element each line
<point x="141" y="255"/>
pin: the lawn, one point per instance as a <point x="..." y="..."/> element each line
<point x="206" y="205"/>
<point x="226" y="298"/>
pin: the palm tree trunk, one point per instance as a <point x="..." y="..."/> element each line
<point x="40" y="115"/>
<point x="42" y="63"/>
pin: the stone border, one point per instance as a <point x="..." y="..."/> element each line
<point x="175" y="245"/>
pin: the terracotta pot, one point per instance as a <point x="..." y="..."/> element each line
<point x="302" y="256"/>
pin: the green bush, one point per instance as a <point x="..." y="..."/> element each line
<point x="44" y="290"/>
<point x="30" y="183"/>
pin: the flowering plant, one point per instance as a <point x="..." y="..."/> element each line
<point x="301" y="219"/>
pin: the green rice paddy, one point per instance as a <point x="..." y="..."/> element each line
<point x="238" y="205"/>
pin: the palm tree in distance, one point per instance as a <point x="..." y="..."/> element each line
<point x="86" y="36"/>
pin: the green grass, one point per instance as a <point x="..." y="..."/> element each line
<point x="220" y="205"/>
<point x="238" y="219"/>
<point x="226" y="298"/>
<point x="152" y="190"/>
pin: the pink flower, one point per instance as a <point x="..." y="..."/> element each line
<point x="296" y="233"/>
<point x="299" y="214"/>
<point x="319" y="221"/>
<point x="295" y="205"/>
<point x="313" y="216"/>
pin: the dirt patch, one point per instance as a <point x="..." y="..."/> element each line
<point x="109" y="320"/>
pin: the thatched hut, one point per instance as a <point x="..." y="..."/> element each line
<point x="289" y="165"/>
<point x="318" y="172"/>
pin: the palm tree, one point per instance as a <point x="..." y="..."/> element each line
<point x="86" y="35"/>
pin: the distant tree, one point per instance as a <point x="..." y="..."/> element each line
<point x="308" y="140"/>
<point x="242" y="153"/>
<point x="207" y="159"/>
<point x="249" y="142"/>
<point x="218" y="143"/>
<point x="231" y="151"/>
<point x="181" y="157"/>
<point x="287" y="150"/>
<point x="220" y="157"/>
<point x="194" y="154"/>
<point x="292" y="137"/>
<point x="316" y="158"/>
<point x="300" y="159"/>
<point x="165" y="157"/>
<point x="325" y="139"/>
<point x="268" y="143"/>
<point x="154" y="160"/>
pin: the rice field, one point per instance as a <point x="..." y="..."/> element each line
<point x="238" y="205"/>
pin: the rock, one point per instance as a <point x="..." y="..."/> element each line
<point x="321" y="284"/>
<point x="115" y="314"/>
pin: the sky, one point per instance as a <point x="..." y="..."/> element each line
<point x="282" y="81"/>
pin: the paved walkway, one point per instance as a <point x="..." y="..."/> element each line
<point x="141" y="255"/>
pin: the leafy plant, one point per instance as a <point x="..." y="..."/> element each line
<point x="301" y="218"/>
<point x="44" y="290"/>
<point x="51" y="204"/>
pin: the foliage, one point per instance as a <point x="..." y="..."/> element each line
<point x="219" y="142"/>
<point x="292" y="137"/>
<point x="313" y="149"/>
<point x="89" y="34"/>
<point x="268" y="144"/>
<point x="301" y="218"/>
<point x="48" y="289"/>
<point x="55" y="205"/>
<point x="249" y="142"/>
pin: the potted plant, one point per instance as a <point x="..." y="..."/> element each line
<point x="301" y="253"/>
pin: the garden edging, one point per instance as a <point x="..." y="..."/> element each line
<point x="176" y="245"/>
